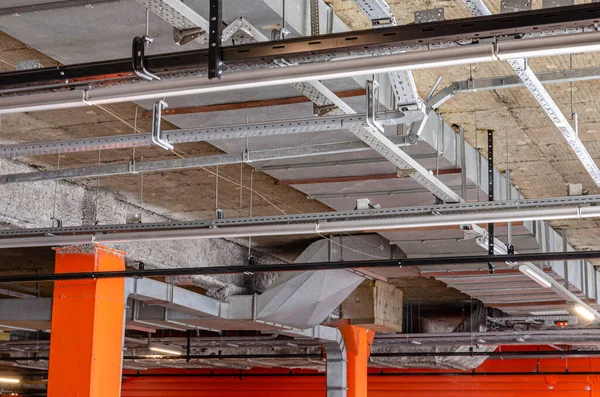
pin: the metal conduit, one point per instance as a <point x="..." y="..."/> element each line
<point x="314" y="266"/>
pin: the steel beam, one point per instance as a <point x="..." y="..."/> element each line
<point x="532" y="83"/>
<point x="236" y="131"/>
<point x="194" y="162"/>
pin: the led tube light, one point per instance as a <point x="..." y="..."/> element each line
<point x="9" y="380"/>
<point x="585" y="313"/>
<point x="558" y="45"/>
<point x="538" y="278"/>
<point x="164" y="349"/>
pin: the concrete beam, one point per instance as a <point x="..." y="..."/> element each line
<point x="374" y="305"/>
<point x="77" y="205"/>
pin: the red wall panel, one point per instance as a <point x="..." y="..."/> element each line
<point x="423" y="383"/>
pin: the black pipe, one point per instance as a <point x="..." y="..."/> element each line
<point x="263" y="53"/>
<point x="293" y="267"/>
<point x="504" y="355"/>
<point x="194" y="357"/>
<point x="291" y="374"/>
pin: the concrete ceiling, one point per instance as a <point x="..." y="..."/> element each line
<point x="540" y="161"/>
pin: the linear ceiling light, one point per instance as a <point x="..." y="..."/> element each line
<point x="559" y="45"/>
<point x="9" y="380"/>
<point x="526" y="270"/>
<point x="155" y="347"/>
<point x="585" y="313"/>
<point x="540" y="277"/>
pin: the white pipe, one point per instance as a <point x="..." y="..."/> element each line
<point x="385" y="63"/>
<point x="364" y="225"/>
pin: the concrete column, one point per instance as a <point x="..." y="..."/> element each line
<point x="86" y="344"/>
<point x="358" y="342"/>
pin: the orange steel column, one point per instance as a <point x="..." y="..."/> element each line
<point x="358" y="342"/>
<point x="86" y="343"/>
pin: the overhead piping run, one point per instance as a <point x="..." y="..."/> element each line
<point x="389" y="40"/>
<point x="371" y="220"/>
<point x="313" y="266"/>
<point x="368" y="41"/>
<point x="483" y="52"/>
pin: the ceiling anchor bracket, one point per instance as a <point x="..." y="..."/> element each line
<point x="138" y="58"/>
<point x="157" y="138"/>
<point x="372" y="97"/>
<point x="185" y="36"/>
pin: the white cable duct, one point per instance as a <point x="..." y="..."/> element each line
<point x="441" y="57"/>
<point x="371" y="225"/>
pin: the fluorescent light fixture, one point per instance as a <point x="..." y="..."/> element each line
<point x="165" y="349"/>
<point x="585" y="313"/>
<point x="9" y="380"/>
<point x="550" y="313"/>
<point x="557" y="45"/>
<point x="535" y="276"/>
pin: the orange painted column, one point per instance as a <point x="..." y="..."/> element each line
<point x="358" y="342"/>
<point x="86" y="342"/>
